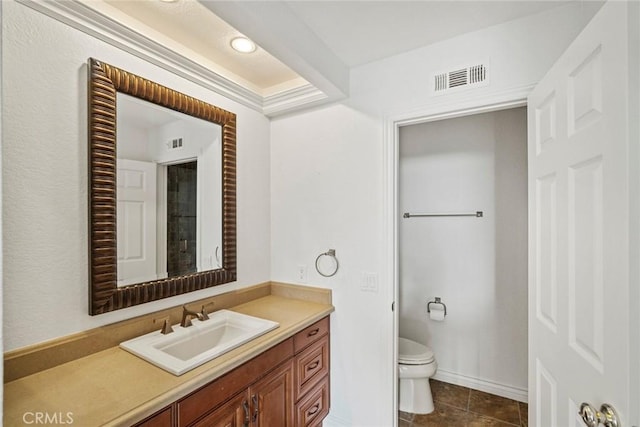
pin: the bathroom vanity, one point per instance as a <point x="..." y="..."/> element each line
<point x="280" y="378"/>
<point x="287" y="385"/>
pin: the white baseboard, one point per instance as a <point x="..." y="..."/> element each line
<point x="507" y="391"/>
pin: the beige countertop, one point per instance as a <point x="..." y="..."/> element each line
<point x="115" y="388"/>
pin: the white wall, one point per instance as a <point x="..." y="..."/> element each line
<point x="129" y="132"/>
<point x="477" y="265"/>
<point x="44" y="176"/>
<point x="328" y="189"/>
<point x="326" y="194"/>
<point x="519" y="53"/>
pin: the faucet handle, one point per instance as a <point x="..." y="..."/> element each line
<point x="186" y="316"/>
<point x="204" y="312"/>
<point x="166" y="325"/>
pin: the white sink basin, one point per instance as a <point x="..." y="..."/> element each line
<point x="187" y="348"/>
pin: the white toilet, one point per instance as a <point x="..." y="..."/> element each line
<point x="416" y="364"/>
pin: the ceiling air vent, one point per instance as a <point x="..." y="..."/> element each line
<point x="441" y="82"/>
<point x="475" y="75"/>
<point x="458" y="78"/>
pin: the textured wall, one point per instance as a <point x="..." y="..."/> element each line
<point x="45" y="178"/>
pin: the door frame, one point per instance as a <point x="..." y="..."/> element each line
<point x="633" y="27"/>
<point x="482" y="104"/>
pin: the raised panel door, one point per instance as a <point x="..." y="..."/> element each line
<point x="579" y="230"/>
<point x="234" y="413"/>
<point x="272" y="398"/>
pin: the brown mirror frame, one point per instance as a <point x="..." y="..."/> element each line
<point x="104" y="295"/>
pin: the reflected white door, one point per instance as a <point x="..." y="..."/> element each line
<point x="136" y="221"/>
<point x="579" y="228"/>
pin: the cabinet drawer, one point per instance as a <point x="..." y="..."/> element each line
<point x="311" y="365"/>
<point x="312" y="409"/>
<point x="218" y="391"/>
<point x="310" y="334"/>
<point x="163" y="418"/>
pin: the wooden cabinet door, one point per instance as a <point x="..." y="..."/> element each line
<point x="234" y="413"/>
<point x="272" y="398"/>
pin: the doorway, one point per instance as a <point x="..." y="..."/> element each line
<point x="182" y="207"/>
<point x="477" y="265"/>
<point x="394" y="212"/>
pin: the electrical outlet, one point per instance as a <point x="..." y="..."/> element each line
<point x="302" y="273"/>
<point x="369" y="282"/>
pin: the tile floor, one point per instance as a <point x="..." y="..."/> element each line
<point x="458" y="406"/>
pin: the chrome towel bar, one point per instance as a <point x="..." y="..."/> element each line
<point x="477" y="214"/>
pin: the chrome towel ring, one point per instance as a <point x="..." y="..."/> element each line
<point x="332" y="254"/>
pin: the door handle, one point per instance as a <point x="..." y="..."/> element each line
<point x="607" y="416"/>
<point x="245" y="406"/>
<point x="256" y="409"/>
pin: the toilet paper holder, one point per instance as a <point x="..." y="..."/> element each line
<point x="437" y="301"/>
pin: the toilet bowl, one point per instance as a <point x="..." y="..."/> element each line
<point x="416" y="364"/>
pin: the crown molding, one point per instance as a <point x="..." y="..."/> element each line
<point x="293" y="99"/>
<point x="91" y="22"/>
<point x="278" y="30"/>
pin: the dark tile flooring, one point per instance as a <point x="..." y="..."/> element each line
<point x="458" y="406"/>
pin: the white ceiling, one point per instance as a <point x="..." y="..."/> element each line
<point x="310" y="44"/>
<point x="359" y="32"/>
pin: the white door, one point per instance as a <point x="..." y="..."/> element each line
<point x="579" y="230"/>
<point x="136" y="221"/>
<point x="209" y="220"/>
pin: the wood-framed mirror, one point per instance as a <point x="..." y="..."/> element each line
<point x="209" y="262"/>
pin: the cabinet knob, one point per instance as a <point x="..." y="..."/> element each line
<point x="314" y="409"/>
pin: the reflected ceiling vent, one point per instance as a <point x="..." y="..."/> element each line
<point x="461" y="77"/>
<point x="175" y="143"/>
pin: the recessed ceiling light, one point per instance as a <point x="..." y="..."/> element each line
<point x="243" y="45"/>
<point x="168" y="1"/>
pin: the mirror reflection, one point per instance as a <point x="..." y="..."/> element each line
<point x="157" y="145"/>
<point x="169" y="192"/>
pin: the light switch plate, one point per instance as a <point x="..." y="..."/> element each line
<point x="369" y="282"/>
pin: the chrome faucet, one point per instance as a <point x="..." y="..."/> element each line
<point x="187" y="315"/>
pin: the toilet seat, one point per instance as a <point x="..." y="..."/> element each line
<point x="413" y="353"/>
